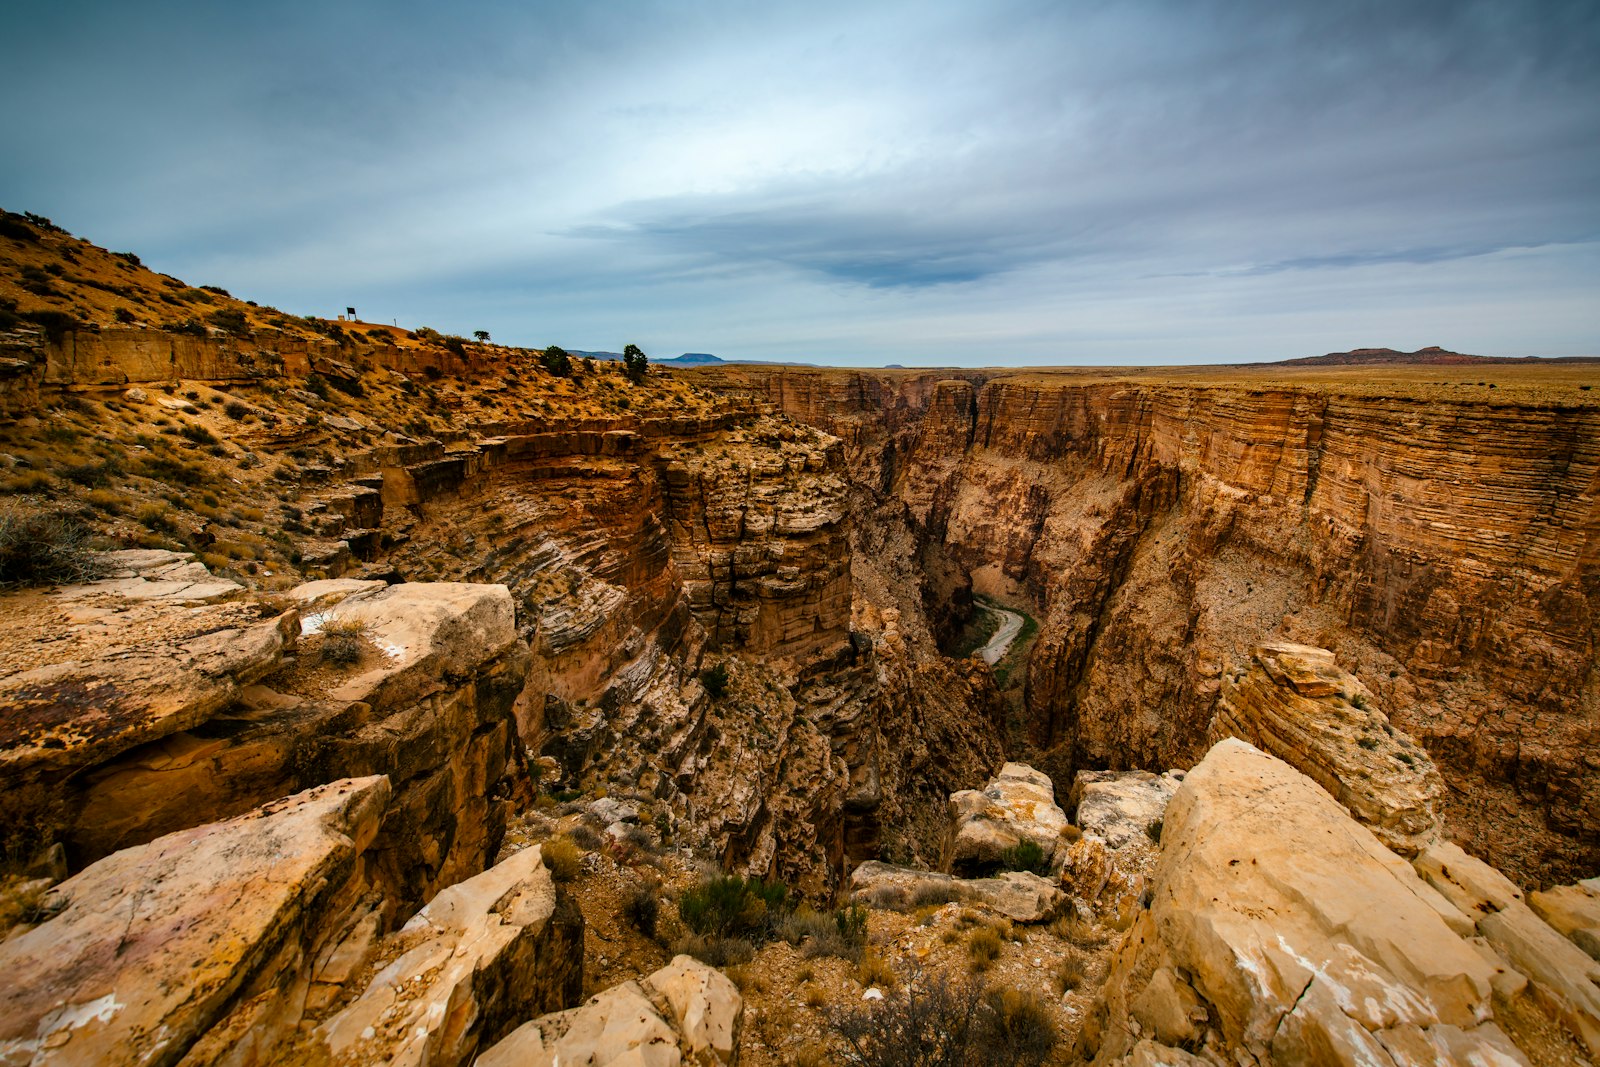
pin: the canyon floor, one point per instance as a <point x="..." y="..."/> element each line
<point x="371" y="695"/>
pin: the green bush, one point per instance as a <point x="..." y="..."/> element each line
<point x="729" y="906"/>
<point x="230" y="320"/>
<point x="935" y="1022"/>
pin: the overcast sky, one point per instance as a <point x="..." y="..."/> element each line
<point x="989" y="182"/>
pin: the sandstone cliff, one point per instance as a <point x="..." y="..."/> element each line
<point x="1439" y="543"/>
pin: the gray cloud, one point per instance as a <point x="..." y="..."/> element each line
<point x="1025" y="182"/>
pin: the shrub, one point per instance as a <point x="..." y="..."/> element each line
<point x="1070" y="974"/>
<point x="938" y="893"/>
<point x="1025" y="855"/>
<point x="874" y="970"/>
<point x="457" y="345"/>
<point x="342" y="640"/>
<point x="930" y="1022"/>
<point x="715" y="951"/>
<point x="40" y="547"/>
<point x="1017" y="1027"/>
<point x="983" y="948"/>
<point x="715" y="679"/>
<point x="236" y="411"/>
<point x="56" y="324"/>
<point x="936" y="1022"/>
<point x="801" y="923"/>
<point x="731" y="906"/>
<point x="230" y="320"/>
<point x="92" y="475"/>
<point x="198" y="434"/>
<point x="642" y="907"/>
<point x="122" y="315"/>
<point x="562" y="857"/>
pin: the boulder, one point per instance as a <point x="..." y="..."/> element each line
<point x="426" y="630"/>
<point x="1565" y="976"/>
<point x="1574" y="911"/>
<point x="1119" y="813"/>
<point x="1294" y="702"/>
<point x="684" y="1013"/>
<point x="1018" y="895"/>
<point x="483" y="955"/>
<point x="1281" y="930"/>
<point x="193" y="946"/>
<point x="1017" y="805"/>
<point x="1122" y="806"/>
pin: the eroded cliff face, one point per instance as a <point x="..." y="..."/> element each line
<point x="1444" y="548"/>
<point x="643" y="555"/>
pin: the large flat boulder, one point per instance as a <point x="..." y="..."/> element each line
<point x="426" y="631"/>
<point x="154" y="947"/>
<point x="1017" y="805"/>
<point x="684" y="1013"/>
<point x="1281" y="930"/>
<point x="482" y="956"/>
<point x="1296" y="703"/>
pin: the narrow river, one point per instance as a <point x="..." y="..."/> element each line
<point x="1010" y="626"/>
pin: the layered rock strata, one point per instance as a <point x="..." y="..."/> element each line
<point x="1162" y="529"/>
<point x="1294" y="702"/>
<point x="478" y="959"/>
<point x="1316" y="945"/>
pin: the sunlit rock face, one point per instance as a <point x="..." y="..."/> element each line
<point x="1280" y="930"/>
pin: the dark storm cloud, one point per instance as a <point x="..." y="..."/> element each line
<point x="1019" y="181"/>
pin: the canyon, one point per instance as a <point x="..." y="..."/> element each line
<point x="377" y="625"/>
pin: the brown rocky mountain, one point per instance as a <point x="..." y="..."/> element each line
<point x="351" y="680"/>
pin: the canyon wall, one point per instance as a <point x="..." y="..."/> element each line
<point x="1444" y="548"/>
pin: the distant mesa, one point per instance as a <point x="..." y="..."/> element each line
<point x="1433" y="355"/>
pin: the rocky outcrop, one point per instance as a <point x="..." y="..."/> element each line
<point x="1563" y="976"/>
<point x="1573" y="910"/>
<point x="1120" y="814"/>
<point x="1020" y="896"/>
<point x="1282" y="931"/>
<point x="197" y="946"/>
<point x="481" y="957"/>
<point x="987" y="826"/>
<point x="1294" y="702"/>
<point x="167" y="709"/>
<point x="684" y="1013"/>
